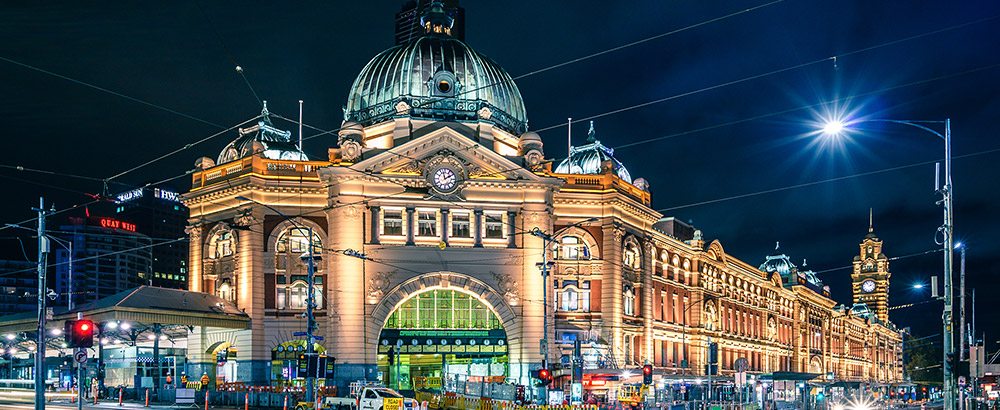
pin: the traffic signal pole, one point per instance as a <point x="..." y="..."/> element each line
<point x="43" y="249"/>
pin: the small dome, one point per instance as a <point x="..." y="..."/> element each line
<point x="587" y="159"/>
<point x="641" y="183"/>
<point x="351" y="128"/>
<point x="778" y="262"/>
<point x="263" y="139"/>
<point x="529" y="136"/>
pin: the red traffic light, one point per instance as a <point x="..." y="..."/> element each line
<point x="84" y="326"/>
<point x="79" y="333"/>
<point x="647" y="369"/>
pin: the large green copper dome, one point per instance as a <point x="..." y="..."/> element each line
<point x="437" y="77"/>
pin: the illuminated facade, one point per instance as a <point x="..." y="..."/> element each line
<point x="438" y="182"/>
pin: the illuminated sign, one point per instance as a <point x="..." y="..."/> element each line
<point x="116" y="224"/>
<point x="129" y="195"/>
<point x="166" y="195"/>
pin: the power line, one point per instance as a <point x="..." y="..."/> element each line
<point x="239" y="69"/>
<point x="766" y="74"/>
<point x="127" y="97"/>
<point x="807" y="184"/>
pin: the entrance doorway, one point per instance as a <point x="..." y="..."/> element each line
<point x="442" y="340"/>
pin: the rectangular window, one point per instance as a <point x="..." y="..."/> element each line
<point x="392" y="222"/>
<point x="460" y="225"/>
<point x="426" y="223"/>
<point x="494" y="225"/>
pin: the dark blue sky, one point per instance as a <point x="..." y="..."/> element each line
<point x="738" y="139"/>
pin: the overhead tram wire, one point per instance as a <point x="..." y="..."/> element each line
<point x="576" y="60"/>
<point x="127" y="97"/>
<point x="807" y="184"/>
<point x="769" y="73"/>
<point x="75" y="260"/>
<point x="889" y="259"/>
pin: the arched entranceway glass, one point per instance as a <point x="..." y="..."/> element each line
<point x="442" y="339"/>
<point x="285" y="362"/>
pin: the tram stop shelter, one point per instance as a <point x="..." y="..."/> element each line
<point x="130" y="328"/>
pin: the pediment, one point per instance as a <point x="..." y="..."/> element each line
<point x="445" y="144"/>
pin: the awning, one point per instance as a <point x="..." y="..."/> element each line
<point x="797" y="376"/>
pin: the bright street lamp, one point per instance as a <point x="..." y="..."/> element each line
<point x="838" y="128"/>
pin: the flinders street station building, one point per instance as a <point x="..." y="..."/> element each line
<point x="431" y="222"/>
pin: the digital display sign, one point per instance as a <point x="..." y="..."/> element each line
<point x="112" y="223"/>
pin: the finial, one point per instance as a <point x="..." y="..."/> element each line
<point x="776" y="245"/>
<point x="263" y="111"/>
<point x="803" y="262"/>
<point x="869" y="220"/>
<point x="591" y="135"/>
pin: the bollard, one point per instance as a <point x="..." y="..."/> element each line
<point x="119" y="397"/>
<point x="147" y="397"/>
<point x="285" y="405"/>
<point x="246" y="402"/>
<point x="206" y="399"/>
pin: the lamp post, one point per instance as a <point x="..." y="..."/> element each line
<point x="311" y="257"/>
<point x="684" y="345"/>
<point x="68" y="245"/>
<point x="945" y="190"/>
<point x="545" y="265"/>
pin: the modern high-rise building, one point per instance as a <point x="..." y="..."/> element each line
<point x="109" y="256"/>
<point x="158" y="213"/>
<point x="18" y="286"/>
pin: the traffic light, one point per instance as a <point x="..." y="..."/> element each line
<point x="950" y="362"/>
<point x="713" y="353"/>
<point x="647" y="374"/>
<point x="544" y="377"/>
<point x="79" y="333"/>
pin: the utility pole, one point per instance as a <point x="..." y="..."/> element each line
<point x="310" y="319"/>
<point x="43" y="250"/>
<point x="961" y="307"/>
<point x="947" y="316"/>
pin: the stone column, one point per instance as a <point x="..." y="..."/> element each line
<point x="254" y="358"/>
<point x="611" y="288"/>
<point x="194" y="275"/>
<point x="444" y="225"/>
<point x="511" y="238"/>
<point x="411" y="223"/>
<point x="528" y="355"/>
<point x="649" y="253"/>
<point x="477" y="223"/>
<point x="346" y="321"/>
<point x="375" y="225"/>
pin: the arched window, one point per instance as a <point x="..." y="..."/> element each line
<point x="575" y="297"/>
<point x="295" y="296"/>
<point x="629" y="302"/>
<point x="222" y="244"/>
<point x="573" y="248"/>
<point x="294" y="240"/>
<point x="226" y="291"/>
<point x="631" y="257"/>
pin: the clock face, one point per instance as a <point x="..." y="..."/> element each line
<point x="868" y="286"/>
<point x="445" y="179"/>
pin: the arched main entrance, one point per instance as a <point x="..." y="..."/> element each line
<point x="441" y="337"/>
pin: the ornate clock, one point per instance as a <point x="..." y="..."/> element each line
<point x="868" y="286"/>
<point x="445" y="179"/>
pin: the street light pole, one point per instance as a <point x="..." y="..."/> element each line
<point x="946" y="229"/>
<point x="545" y="265"/>
<point x="43" y="249"/>
<point x="311" y="257"/>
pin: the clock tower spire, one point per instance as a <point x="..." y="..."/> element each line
<point x="870" y="278"/>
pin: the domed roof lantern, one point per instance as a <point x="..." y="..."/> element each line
<point x="589" y="158"/>
<point x="778" y="262"/>
<point x="435" y="20"/>
<point x="262" y="139"/>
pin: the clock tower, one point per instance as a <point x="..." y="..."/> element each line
<point x="870" y="278"/>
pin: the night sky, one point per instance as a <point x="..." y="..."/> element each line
<point x="743" y="97"/>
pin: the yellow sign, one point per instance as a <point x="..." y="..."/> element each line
<point x="442" y="245"/>
<point x="391" y="403"/>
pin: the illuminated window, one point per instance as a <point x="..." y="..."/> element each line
<point x="631" y="256"/>
<point x="294" y="239"/>
<point x="573" y="248"/>
<point x="392" y="222"/>
<point x="426" y="223"/>
<point x="629" y="302"/>
<point x="460" y="225"/>
<point x="221" y="245"/>
<point x="494" y="225"/>
<point x="227" y="292"/>
<point x="295" y="296"/>
<point x="575" y="298"/>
